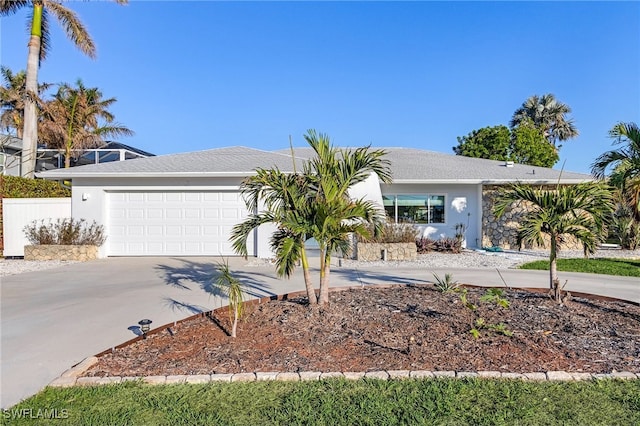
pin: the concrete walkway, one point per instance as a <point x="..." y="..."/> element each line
<point x="53" y="319"/>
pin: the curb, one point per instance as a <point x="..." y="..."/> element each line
<point x="71" y="377"/>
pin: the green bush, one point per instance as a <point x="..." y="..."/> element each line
<point x="19" y="187"/>
<point x="65" y="232"/>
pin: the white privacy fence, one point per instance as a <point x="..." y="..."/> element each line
<point x="19" y="212"/>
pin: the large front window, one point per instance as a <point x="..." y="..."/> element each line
<point x="415" y="208"/>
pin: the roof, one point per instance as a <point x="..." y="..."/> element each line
<point x="224" y="162"/>
<point x="408" y="165"/>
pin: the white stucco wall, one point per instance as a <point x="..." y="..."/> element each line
<point x="90" y="197"/>
<point x="464" y="205"/>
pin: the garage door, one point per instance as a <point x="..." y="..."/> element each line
<point x="173" y="223"/>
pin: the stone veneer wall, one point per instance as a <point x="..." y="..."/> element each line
<point x="503" y="232"/>
<point x="60" y="252"/>
<point x="395" y="251"/>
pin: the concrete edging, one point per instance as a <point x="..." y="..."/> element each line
<point x="71" y="377"/>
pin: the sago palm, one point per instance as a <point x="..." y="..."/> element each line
<point x="37" y="50"/>
<point x="78" y="118"/>
<point x="580" y="211"/>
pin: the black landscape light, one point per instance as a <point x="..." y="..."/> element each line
<point x="145" y="325"/>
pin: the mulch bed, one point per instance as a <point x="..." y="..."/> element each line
<point x="394" y="328"/>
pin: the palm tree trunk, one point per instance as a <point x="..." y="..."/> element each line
<point x="234" y="325"/>
<point x="554" y="282"/>
<point x="30" y="132"/>
<point x="311" y="292"/>
<point x="325" y="269"/>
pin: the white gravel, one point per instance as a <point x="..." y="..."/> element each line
<point x="480" y="259"/>
<point x="466" y="259"/>
<point x="19" y="266"/>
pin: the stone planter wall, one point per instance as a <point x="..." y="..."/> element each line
<point x="503" y="232"/>
<point x="395" y="251"/>
<point x="55" y="252"/>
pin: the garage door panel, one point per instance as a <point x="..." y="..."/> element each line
<point x="160" y="223"/>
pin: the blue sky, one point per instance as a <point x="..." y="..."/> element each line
<point x="197" y="75"/>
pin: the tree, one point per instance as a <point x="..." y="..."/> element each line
<point x="37" y="50"/>
<point x="313" y="203"/>
<point x="580" y="211"/>
<point x="523" y="144"/>
<point x="491" y="143"/>
<point x="12" y="96"/>
<point x="549" y="116"/>
<point x="624" y="162"/>
<point x="78" y="118"/>
<point x="12" y="100"/>
<point x="528" y="146"/>
<point x="231" y="287"/>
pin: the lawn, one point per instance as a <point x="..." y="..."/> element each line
<point x="341" y="402"/>
<point x="622" y="267"/>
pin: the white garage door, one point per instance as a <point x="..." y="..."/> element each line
<point x="153" y="223"/>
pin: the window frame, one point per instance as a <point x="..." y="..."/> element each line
<point x="427" y="196"/>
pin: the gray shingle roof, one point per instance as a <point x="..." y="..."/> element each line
<point x="231" y="161"/>
<point x="408" y="165"/>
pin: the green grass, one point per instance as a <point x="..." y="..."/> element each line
<point x="342" y="402"/>
<point x="622" y="267"/>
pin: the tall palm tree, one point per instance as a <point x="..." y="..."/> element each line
<point x="38" y="48"/>
<point x="313" y="203"/>
<point x="580" y="211"/>
<point x="78" y="118"/>
<point x="549" y="116"/>
<point x="624" y="162"/>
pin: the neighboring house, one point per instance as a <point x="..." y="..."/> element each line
<point x="48" y="159"/>
<point x="186" y="204"/>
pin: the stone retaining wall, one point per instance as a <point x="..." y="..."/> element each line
<point x="503" y="232"/>
<point x="394" y="251"/>
<point x="60" y="252"/>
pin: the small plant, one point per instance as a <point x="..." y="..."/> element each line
<point x="495" y="296"/>
<point x="231" y="287"/>
<point x="67" y="231"/>
<point x="446" y="284"/>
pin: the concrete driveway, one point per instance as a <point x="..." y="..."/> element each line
<point x="53" y="319"/>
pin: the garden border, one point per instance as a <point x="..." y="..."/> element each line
<point x="71" y="377"/>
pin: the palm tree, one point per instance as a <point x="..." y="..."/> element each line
<point x="12" y="96"/>
<point x="284" y="198"/>
<point x="315" y="204"/>
<point x="335" y="216"/>
<point x="38" y="48"/>
<point x="580" y="211"/>
<point x="549" y="116"/>
<point x="624" y="162"/>
<point x="78" y="118"/>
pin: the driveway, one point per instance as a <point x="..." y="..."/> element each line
<point x="53" y="319"/>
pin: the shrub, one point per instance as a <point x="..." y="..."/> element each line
<point x="392" y="233"/>
<point x="446" y="244"/>
<point x="65" y="232"/>
<point x="19" y="187"/>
